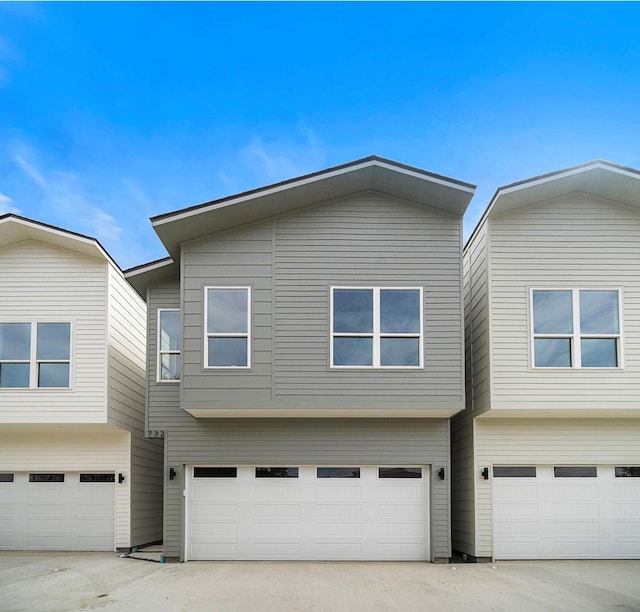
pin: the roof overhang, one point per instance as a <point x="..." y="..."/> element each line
<point x="15" y="229"/>
<point x="371" y="173"/>
<point x="599" y="178"/>
<point x="151" y="273"/>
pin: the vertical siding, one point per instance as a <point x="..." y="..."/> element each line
<point x="127" y="352"/>
<point x="547" y="442"/>
<point x="75" y="448"/>
<point x="39" y="282"/>
<point x="574" y="242"/>
<point x="310" y="442"/>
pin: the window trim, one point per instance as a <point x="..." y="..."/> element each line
<point x="160" y="352"/>
<point x="376" y="335"/>
<point x="208" y="335"/>
<point x="575" y="337"/>
<point x="33" y="360"/>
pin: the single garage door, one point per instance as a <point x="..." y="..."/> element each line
<point x="308" y="513"/>
<point x="57" y="511"/>
<point x="566" y="512"/>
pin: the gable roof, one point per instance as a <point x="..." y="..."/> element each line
<point x="140" y="277"/>
<point x="600" y="178"/>
<point x="377" y="173"/>
<point x="14" y="229"/>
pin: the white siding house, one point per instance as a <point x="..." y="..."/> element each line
<point x="76" y="471"/>
<point x="546" y="457"/>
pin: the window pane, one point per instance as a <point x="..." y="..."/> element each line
<point x="399" y="351"/>
<point x="227" y="311"/>
<point x="400" y="472"/>
<point x="276" y="472"/>
<point x="97" y="477"/>
<point x="14" y="375"/>
<point x="227" y="352"/>
<point x="400" y="311"/>
<point x="170" y="330"/>
<point x="352" y="351"/>
<point x="552" y="352"/>
<point x="46" y="477"/>
<point x="628" y="472"/>
<point x="514" y="472"/>
<point x="575" y="472"/>
<point x="6" y="477"/>
<point x="552" y="312"/>
<point x="53" y="375"/>
<point x="599" y="312"/>
<point x="599" y="352"/>
<point x="338" y="472"/>
<point x="15" y="341"/>
<point x="215" y="472"/>
<point x="53" y="341"/>
<point x="353" y="311"/>
<point x="169" y="367"/>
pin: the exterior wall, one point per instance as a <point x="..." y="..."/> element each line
<point x="573" y="242"/>
<point x="546" y="442"/>
<point x="291" y="262"/>
<point x="310" y="442"/>
<point x="43" y="283"/>
<point x="73" y="448"/>
<point x="126" y="407"/>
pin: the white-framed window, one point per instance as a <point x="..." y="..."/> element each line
<point x="35" y="355"/>
<point x="169" y="344"/>
<point x="227" y="324"/>
<point x="376" y="327"/>
<point x="576" y="328"/>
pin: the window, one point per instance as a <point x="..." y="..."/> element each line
<point x="390" y="472"/>
<point x="576" y="328"/>
<point x="627" y="472"/>
<point x="514" y="472"/>
<point x="376" y="328"/>
<point x="227" y="324"/>
<point x="97" y="477"/>
<point x="215" y="472"/>
<point x="169" y="341"/>
<point x="46" y="477"/>
<point x="34" y="355"/>
<point x="276" y="472"/>
<point x="338" y="472"/>
<point x="575" y="472"/>
<point x="4" y="477"/>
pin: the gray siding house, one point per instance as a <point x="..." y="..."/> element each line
<point x="305" y="355"/>
<point x="546" y="458"/>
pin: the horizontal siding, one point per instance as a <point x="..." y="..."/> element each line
<point x="41" y="282"/>
<point x="310" y="442"/>
<point x="574" y="242"/>
<point x="75" y="448"/>
<point x="547" y="442"/>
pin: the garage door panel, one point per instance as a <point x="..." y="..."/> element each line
<point x="337" y="518"/>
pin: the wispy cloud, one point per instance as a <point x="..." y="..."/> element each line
<point x="30" y="170"/>
<point x="6" y="205"/>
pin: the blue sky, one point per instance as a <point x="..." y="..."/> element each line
<point x="114" y="112"/>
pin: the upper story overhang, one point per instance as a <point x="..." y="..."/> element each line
<point x="370" y="173"/>
<point x="141" y="277"/>
<point x="15" y="229"/>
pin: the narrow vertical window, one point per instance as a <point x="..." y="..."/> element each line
<point x="169" y="345"/>
<point x="227" y="325"/>
<point x="15" y="355"/>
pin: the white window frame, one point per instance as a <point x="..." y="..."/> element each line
<point x="376" y="334"/>
<point x="160" y="352"/>
<point x="575" y="338"/>
<point x="34" y="362"/>
<point x="208" y="335"/>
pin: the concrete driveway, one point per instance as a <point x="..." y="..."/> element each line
<point x="87" y="581"/>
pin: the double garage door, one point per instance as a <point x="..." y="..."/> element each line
<point x="57" y="511"/>
<point x="347" y="512"/>
<point x="566" y="512"/>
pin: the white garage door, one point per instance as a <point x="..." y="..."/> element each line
<point x="566" y="512"/>
<point x="57" y="511"/>
<point x="311" y="513"/>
